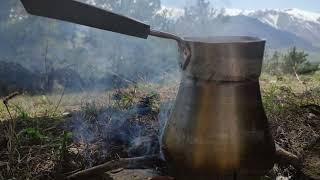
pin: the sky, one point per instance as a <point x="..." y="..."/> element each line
<point x="310" y="5"/>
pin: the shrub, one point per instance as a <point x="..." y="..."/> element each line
<point x="307" y="68"/>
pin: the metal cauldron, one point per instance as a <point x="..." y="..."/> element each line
<point x="218" y="127"/>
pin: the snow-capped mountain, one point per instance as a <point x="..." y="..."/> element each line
<point x="304" y="24"/>
<point x="272" y="15"/>
<point x="286" y="27"/>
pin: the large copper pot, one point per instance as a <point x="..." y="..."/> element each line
<point x="218" y="126"/>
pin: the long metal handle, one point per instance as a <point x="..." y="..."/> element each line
<point x="165" y="35"/>
<point x="84" y="14"/>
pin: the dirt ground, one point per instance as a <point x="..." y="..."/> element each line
<point x="52" y="143"/>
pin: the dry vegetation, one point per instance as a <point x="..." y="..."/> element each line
<point x="294" y="114"/>
<point x="48" y="139"/>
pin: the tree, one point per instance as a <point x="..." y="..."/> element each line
<point x="41" y="44"/>
<point x="129" y="56"/>
<point x="200" y="19"/>
<point x="143" y="10"/>
<point x="195" y="16"/>
<point x="293" y="59"/>
<point x="294" y="62"/>
<point x="308" y="67"/>
<point x="273" y="64"/>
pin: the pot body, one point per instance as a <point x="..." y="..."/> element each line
<point x="218" y="127"/>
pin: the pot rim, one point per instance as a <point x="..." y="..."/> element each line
<point x="225" y="39"/>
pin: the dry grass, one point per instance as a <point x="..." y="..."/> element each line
<point x="43" y="148"/>
<point x="293" y="110"/>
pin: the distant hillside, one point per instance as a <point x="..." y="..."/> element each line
<point x="282" y="28"/>
<point x="244" y="25"/>
<point x="304" y="24"/>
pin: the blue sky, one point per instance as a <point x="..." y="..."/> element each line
<point x="310" y="5"/>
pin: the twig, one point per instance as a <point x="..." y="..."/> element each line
<point x="46" y="65"/>
<point x="6" y="101"/>
<point x="287" y="158"/>
<point x="122" y="78"/>
<point x="9" y="97"/>
<point x="314" y="108"/>
<point x="128" y="163"/>
<point x="3" y="163"/>
<point x="59" y="102"/>
<point x="297" y="76"/>
<point x="10" y="132"/>
<point x="282" y="156"/>
<point x="6" y="105"/>
<point x="72" y="172"/>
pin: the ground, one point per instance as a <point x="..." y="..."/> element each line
<point x="52" y="136"/>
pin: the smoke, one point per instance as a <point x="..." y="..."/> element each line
<point x="87" y="59"/>
<point x="101" y="58"/>
<point x="107" y="131"/>
<point x="150" y="61"/>
<point x="164" y="118"/>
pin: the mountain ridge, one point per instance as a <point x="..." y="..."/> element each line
<point x="303" y="27"/>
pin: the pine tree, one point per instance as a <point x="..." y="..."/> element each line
<point x="293" y="59"/>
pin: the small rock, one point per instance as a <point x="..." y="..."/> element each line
<point x="282" y="178"/>
<point x="74" y="151"/>
<point x="311" y="116"/>
<point x="66" y="114"/>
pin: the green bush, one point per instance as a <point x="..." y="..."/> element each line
<point x="31" y="136"/>
<point x="21" y="112"/>
<point x="307" y="68"/>
<point x="294" y="61"/>
<point x="277" y="98"/>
